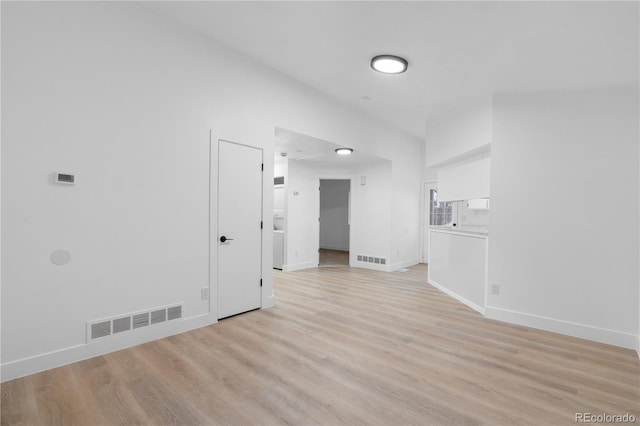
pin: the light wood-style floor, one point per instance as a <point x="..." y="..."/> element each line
<point x="333" y="258"/>
<point x="343" y="346"/>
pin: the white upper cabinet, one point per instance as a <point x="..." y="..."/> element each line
<point x="465" y="181"/>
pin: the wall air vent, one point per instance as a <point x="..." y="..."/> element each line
<point x="371" y="259"/>
<point x="121" y="324"/>
<point x="100" y="329"/>
<point x="174" y="312"/>
<point x="64" y="178"/>
<point x="158" y="316"/>
<point x="141" y="320"/>
<point x="128" y="322"/>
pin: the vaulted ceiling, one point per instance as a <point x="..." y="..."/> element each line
<point x="456" y="50"/>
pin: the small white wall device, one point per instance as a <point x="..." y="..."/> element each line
<point x="64" y="178"/>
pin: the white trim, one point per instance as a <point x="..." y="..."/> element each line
<point x="638" y="346"/>
<point x="405" y="264"/>
<point x="456" y="296"/>
<point x="299" y="266"/>
<point x="34" y="364"/>
<point x="459" y="232"/>
<point x="583" y="331"/>
<point x="424" y="206"/>
<point x="371" y="266"/>
<point x="269" y="302"/>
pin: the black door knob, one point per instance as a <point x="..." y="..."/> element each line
<point x="223" y="239"/>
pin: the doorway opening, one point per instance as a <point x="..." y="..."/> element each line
<point x="335" y="222"/>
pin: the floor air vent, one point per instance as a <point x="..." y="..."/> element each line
<point x="123" y="323"/>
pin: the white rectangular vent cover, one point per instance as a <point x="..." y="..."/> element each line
<point x="372" y="259"/>
<point x="122" y="323"/>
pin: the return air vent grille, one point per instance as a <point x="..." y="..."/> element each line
<point x="158" y="316"/>
<point x="100" y="329"/>
<point x="141" y="320"/>
<point x="174" y="312"/>
<point x="121" y="324"/>
<point x="128" y="322"/>
<point x="372" y="259"/>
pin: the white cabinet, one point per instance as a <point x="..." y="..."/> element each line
<point x="465" y="181"/>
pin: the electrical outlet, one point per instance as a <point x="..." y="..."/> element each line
<point x="495" y="289"/>
<point x="204" y="293"/>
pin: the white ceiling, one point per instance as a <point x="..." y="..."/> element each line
<point x="456" y="50"/>
<point x="319" y="153"/>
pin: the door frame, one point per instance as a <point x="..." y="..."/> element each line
<point x="424" y="242"/>
<point x="316" y="233"/>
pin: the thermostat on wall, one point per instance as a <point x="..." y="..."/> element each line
<point x="65" y="178"/>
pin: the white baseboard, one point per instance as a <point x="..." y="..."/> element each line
<point x="332" y="247"/>
<point x="385" y="268"/>
<point x="372" y="266"/>
<point x="26" y="366"/>
<point x="602" y="335"/>
<point x="459" y="298"/>
<point x="405" y="264"/>
<point x="299" y="266"/>
<point x="638" y="346"/>
<point x="268" y="302"/>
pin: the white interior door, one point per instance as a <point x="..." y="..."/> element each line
<point x="239" y="228"/>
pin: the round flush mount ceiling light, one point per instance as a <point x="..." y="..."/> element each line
<point x="389" y="64"/>
<point x="344" y="151"/>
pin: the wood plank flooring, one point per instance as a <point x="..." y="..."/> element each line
<point x="332" y="258"/>
<point x="343" y="346"/>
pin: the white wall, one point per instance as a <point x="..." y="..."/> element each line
<point x="371" y="216"/>
<point x="302" y="217"/>
<point x="371" y="224"/>
<point x="564" y="207"/>
<point x="405" y="211"/>
<point x="334" y="214"/>
<point x="458" y="266"/>
<point x="458" y="131"/>
<point x="564" y="213"/>
<point x="126" y="99"/>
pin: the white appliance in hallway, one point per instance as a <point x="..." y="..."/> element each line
<point x="279" y="208"/>
<point x="278" y="249"/>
